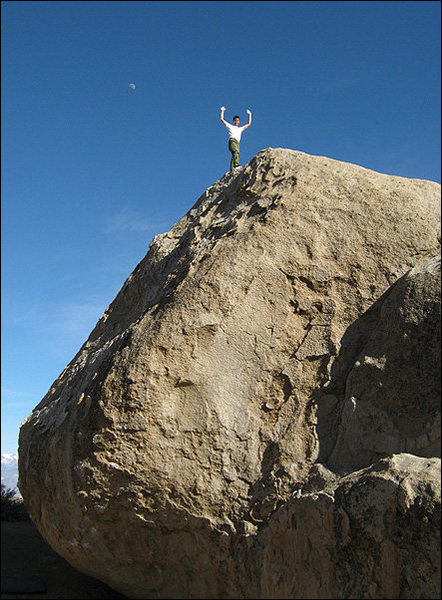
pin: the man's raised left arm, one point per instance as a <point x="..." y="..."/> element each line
<point x="250" y="119"/>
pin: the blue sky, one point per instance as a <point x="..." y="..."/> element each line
<point x="92" y="169"/>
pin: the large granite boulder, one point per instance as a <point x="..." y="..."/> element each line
<point x="242" y="364"/>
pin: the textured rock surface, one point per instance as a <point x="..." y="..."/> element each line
<point x="372" y="534"/>
<point x="392" y="393"/>
<point x="249" y="348"/>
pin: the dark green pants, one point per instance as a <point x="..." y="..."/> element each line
<point x="234" y="149"/>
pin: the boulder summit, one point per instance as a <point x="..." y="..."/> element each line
<point x="256" y="414"/>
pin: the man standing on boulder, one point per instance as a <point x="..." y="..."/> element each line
<point x="235" y="132"/>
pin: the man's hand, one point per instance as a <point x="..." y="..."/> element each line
<point x="223" y="108"/>
<point x="248" y="112"/>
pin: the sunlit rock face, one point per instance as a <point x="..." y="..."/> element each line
<point x="267" y="375"/>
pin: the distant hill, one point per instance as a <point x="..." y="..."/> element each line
<point x="10" y="471"/>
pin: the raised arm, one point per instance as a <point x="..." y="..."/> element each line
<point x="223" y="110"/>
<point x="250" y="119"/>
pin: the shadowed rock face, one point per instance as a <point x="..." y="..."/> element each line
<point x="392" y="392"/>
<point x="245" y="364"/>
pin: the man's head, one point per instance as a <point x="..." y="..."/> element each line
<point x="236" y="120"/>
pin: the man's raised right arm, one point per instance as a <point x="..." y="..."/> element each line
<point x="223" y="109"/>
